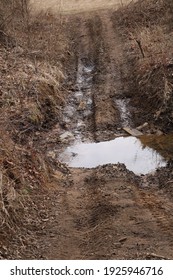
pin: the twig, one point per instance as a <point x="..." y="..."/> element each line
<point x="168" y="182"/>
<point x="131" y="2"/>
<point x="140" y="47"/>
<point x="157" y="256"/>
<point x="1" y="196"/>
<point x="122" y="240"/>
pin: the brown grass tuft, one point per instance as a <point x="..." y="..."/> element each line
<point x="32" y="51"/>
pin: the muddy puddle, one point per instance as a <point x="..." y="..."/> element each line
<point x="139" y="158"/>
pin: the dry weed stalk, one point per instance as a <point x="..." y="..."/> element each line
<point x="3" y="208"/>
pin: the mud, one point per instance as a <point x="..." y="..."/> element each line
<point x="106" y="212"/>
<point x="78" y="113"/>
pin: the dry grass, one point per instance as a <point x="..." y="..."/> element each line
<point x="22" y="174"/>
<point x="148" y="27"/>
<point x="32" y="51"/>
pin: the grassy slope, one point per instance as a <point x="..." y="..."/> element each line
<point x="146" y="27"/>
<point x="32" y="51"/>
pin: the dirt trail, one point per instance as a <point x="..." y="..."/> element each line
<point x="104" y="213"/>
<point x="74" y="6"/>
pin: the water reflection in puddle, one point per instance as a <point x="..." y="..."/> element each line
<point x="128" y="150"/>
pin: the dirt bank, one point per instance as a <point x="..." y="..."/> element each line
<point x="148" y="50"/>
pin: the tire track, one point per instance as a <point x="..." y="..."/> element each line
<point x="106" y="117"/>
<point x="102" y="213"/>
<point x="161" y="209"/>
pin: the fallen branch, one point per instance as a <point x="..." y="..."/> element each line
<point x="132" y="37"/>
<point x="140" y="47"/>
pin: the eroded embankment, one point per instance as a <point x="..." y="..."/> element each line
<point x="32" y="50"/>
<point x="147" y="47"/>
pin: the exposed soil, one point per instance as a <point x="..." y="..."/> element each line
<point x="106" y="212"/>
<point x="103" y="214"/>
